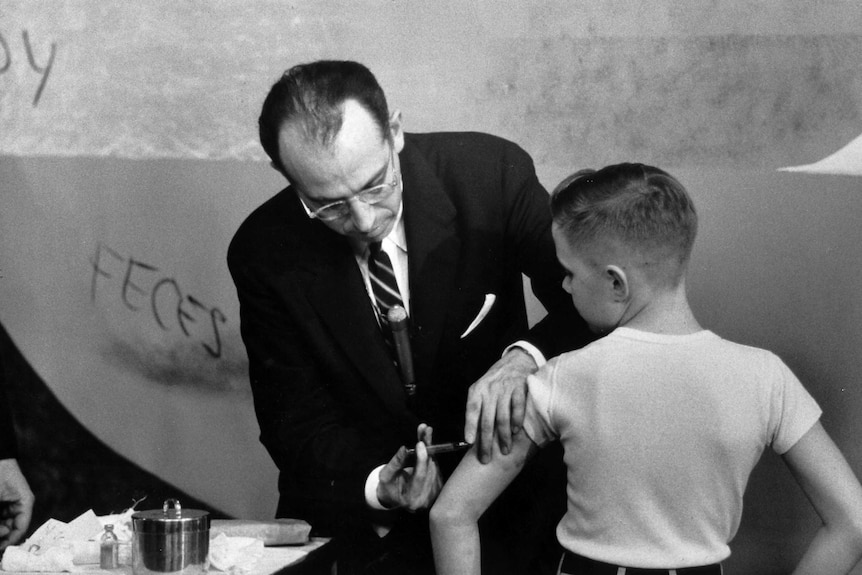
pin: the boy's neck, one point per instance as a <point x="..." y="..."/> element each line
<point x="666" y="312"/>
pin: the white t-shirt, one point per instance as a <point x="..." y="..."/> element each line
<point x="660" y="435"/>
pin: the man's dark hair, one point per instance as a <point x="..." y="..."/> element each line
<point x="313" y="93"/>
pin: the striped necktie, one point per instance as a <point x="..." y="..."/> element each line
<point x="384" y="285"/>
<point x="387" y="296"/>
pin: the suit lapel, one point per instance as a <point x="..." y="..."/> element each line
<point x="336" y="291"/>
<point x="433" y="247"/>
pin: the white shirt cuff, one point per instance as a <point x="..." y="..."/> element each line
<point x="371" y="484"/>
<point x="531" y="349"/>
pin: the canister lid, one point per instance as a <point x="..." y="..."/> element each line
<point x="171" y="518"/>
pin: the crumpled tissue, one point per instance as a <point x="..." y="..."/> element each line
<point x="235" y="555"/>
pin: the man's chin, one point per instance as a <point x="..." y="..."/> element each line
<point x="366" y="238"/>
<point x="375" y="235"/>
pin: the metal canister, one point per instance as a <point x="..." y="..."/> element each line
<point x="170" y="540"/>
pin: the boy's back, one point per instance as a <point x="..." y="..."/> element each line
<point x="660" y="434"/>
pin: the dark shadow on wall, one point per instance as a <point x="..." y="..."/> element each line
<point x="67" y="467"/>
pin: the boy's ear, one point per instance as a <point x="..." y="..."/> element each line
<point x="619" y="283"/>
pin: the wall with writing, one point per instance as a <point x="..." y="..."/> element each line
<point x="677" y="82"/>
<point x="113" y="285"/>
<point x="128" y="156"/>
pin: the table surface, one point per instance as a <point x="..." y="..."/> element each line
<point x="274" y="560"/>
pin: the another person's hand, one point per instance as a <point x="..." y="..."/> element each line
<point x="497" y="401"/>
<point x="410" y="488"/>
<point x="16" y="503"/>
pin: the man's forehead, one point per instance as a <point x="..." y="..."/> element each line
<point x="359" y="136"/>
<point x="353" y="125"/>
<point x="326" y="175"/>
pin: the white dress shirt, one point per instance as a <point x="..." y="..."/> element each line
<point x="395" y="246"/>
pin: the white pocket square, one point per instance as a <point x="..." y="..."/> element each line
<point x="486" y="307"/>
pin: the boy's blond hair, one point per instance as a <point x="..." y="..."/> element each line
<point x="643" y="207"/>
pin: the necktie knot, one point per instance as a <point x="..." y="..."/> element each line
<point x="383" y="281"/>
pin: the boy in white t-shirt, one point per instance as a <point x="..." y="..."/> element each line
<point x="661" y="421"/>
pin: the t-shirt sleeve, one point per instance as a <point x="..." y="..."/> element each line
<point x="793" y="410"/>
<point x="537" y="418"/>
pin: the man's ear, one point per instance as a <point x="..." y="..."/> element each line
<point x="396" y="129"/>
<point x="276" y="168"/>
<point x="619" y="283"/>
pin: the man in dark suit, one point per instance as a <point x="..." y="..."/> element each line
<point x="461" y="217"/>
<point x="16" y="498"/>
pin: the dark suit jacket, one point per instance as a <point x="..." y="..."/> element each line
<point x="328" y="399"/>
<point x="8" y="448"/>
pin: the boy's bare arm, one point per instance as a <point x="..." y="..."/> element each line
<point x="467" y="494"/>
<point x="835" y="492"/>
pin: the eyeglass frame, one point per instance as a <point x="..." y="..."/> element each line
<point x="361" y="195"/>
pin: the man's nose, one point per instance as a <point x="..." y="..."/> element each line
<point x="362" y="215"/>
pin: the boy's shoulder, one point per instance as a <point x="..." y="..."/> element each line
<point x="623" y="342"/>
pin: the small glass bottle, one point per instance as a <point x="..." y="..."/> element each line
<point x="109" y="549"/>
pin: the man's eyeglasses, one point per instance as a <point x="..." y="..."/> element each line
<point x="369" y="196"/>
